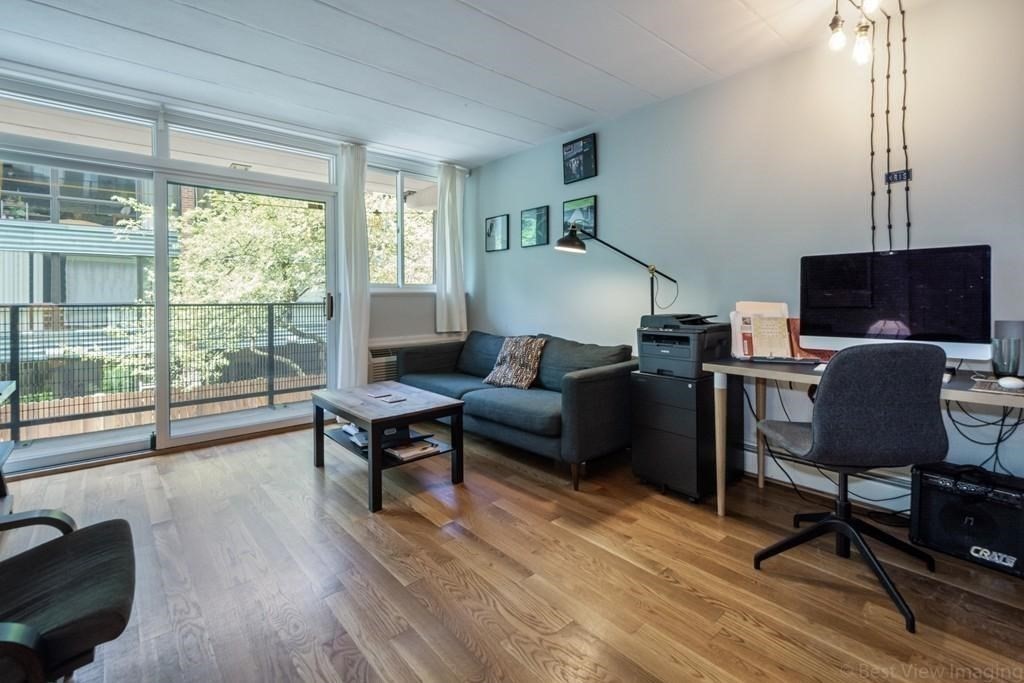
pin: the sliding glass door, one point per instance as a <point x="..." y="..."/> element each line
<point x="76" y="309"/>
<point x="245" y="333"/>
<point x="161" y="283"/>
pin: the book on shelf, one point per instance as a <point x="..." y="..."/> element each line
<point x="416" y="449"/>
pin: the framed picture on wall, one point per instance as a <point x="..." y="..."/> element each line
<point x="582" y="212"/>
<point x="533" y="227"/>
<point x="579" y="159"/>
<point x="496" y="233"/>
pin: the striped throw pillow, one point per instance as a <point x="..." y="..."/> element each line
<point x="517" y="362"/>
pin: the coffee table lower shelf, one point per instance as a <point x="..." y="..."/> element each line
<point x="341" y="437"/>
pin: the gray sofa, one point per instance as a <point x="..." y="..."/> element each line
<point x="576" y="410"/>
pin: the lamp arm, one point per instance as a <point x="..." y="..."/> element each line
<point x="648" y="266"/>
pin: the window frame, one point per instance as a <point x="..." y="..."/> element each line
<point x="401" y="285"/>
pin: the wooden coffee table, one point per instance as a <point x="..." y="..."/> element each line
<point x="375" y="416"/>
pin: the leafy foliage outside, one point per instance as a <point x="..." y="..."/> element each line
<point x="232" y="248"/>
<point x="249" y="250"/>
<point x="417" y="242"/>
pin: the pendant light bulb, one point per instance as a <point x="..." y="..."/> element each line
<point x="862" y="45"/>
<point x="838" y="39"/>
<point x="871" y="6"/>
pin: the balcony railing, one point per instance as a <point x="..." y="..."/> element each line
<point x="75" y="363"/>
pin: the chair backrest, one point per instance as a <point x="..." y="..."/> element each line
<point x="878" y="406"/>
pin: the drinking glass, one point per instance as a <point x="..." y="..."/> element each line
<point x="1006" y="356"/>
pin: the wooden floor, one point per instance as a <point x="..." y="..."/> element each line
<point x="253" y="566"/>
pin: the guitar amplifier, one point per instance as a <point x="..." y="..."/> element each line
<point x="970" y="513"/>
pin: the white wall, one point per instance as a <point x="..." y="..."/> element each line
<point x="727" y="187"/>
<point x="402" y="317"/>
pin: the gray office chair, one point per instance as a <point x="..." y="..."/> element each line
<point x="63" y="598"/>
<point x="876" y="406"/>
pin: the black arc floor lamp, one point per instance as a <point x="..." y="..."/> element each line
<point x="572" y="243"/>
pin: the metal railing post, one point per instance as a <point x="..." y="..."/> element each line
<point x="15" y="361"/>
<point x="270" y="352"/>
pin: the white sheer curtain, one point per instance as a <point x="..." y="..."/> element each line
<point x="450" y="299"/>
<point x="353" y="286"/>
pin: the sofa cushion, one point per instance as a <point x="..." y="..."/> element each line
<point x="517" y="363"/>
<point x="479" y="353"/>
<point x="562" y="356"/>
<point x="532" y="410"/>
<point x="453" y="384"/>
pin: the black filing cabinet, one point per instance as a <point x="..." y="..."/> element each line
<point x="674" y="432"/>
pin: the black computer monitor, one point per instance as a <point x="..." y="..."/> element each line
<point x="941" y="296"/>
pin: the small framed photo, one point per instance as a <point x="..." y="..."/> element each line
<point x="579" y="159"/>
<point x="533" y="227"/>
<point x="582" y="212"/>
<point x="496" y="233"/>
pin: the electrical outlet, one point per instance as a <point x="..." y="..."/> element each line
<point x="903" y="176"/>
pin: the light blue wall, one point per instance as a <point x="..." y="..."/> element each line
<point x="728" y="186"/>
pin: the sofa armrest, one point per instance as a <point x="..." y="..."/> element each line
<point x="596" y="411"/>
<point x="430" y="358"/>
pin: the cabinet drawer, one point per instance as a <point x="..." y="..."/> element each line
<point x="666" y="459"/>
<point x="672" y="391"/>
<point x="665" y="417"/>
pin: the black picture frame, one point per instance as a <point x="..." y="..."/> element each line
<point x="579" y="159"/>
<point x="583" y="212"/>
<point x="534" y="226"/>
<point x="496" y="233"/>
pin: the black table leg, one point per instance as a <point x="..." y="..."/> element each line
<point x="375" y="460"/>
<point x="457" y="448"/>
<point x="318" y="436"/>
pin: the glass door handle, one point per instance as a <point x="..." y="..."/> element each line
<point x="329" y="306"/>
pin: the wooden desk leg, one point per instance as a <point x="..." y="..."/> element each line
<point x="760" y="385"/>
<point x="375" y="460"/>
<point x="721" y="401"/>
<point x="457" y="453"/>
<point x="318" y="436"/>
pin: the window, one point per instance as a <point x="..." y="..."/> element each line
<point x="31" y="192"/>
<point x="401" y="234"/>
<point x="247" y="155"/>
<point x="64" y="123"/>
<point x="382" y="225"/>
<point x="25" y="192"/>
<point x="95" y="199"/>
<point x="419" y="215"/>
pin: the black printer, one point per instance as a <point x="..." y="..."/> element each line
<point x="677" y="344"/>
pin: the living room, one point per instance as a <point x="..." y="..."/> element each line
<point x="299" y="382"/>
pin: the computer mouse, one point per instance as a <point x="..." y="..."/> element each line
<point x="1011" y="382"/>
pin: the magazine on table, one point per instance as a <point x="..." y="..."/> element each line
<point x="416" y="449"/>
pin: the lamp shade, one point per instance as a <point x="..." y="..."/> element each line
<point x="571" y="242"/>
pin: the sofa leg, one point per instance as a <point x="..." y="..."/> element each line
<point x="575" y="467"/>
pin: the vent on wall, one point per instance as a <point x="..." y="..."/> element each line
<point x="383" y="365"/>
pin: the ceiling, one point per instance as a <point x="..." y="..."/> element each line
<point x="465" y="81"/>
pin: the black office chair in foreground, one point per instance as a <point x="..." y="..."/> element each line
<point x="61" y="599"/>
<point x="876" y="406"/>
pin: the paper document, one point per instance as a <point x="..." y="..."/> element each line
<point x="770" y="337"/>
<point x="742" y="320"/>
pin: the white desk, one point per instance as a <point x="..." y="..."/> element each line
<point x="958" y="389"/>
